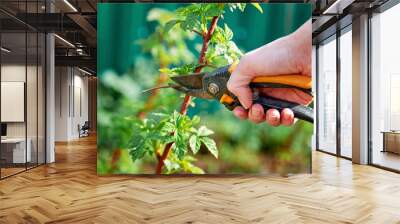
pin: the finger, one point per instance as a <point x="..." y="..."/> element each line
<point x="240" y="113"/>
<point x="273" y="117"/>
<point x="238" y="84"/>
<point x="256" y="113"/>
<point x="291" y="95"/>
<point x="287" y="117"/>
<point x="240" y="88"/>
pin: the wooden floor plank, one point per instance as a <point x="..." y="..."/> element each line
<point x="69" y="191"/>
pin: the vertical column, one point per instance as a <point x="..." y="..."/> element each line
<point x="360" y="90"/>
<point x="338" y="76"/>
<point x="50" y="92"/>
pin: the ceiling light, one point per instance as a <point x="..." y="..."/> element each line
<point x="65" y="41"/>
<point x="70" y="5"/>
<point x="84" y="71"/>
<point x="5" y="50"/>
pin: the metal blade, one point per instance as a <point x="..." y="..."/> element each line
<point x="158" y="87"/>
<point x="192" y="81"/>
<point x="200" y="93"/>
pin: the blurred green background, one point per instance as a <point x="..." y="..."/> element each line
<point x="125" y="69"/>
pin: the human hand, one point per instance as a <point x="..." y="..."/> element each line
<point x="288" y="55"/>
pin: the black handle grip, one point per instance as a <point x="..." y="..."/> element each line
<point x="300" y="111"/>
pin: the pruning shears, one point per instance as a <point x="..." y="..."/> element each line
<point x="212" y="85"/>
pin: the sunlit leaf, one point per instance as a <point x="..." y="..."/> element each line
<point x="211" y="146"/>
<point x="257" y="6"/>
<point x="204" y="131"/>
<point x="194" y="143"/>
<point x="180" y="146"/>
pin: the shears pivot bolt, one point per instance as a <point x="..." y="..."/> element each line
<point x="213" y="88"/>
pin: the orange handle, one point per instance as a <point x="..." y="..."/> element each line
<point x="296" y="80"/>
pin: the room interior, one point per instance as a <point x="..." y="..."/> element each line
<point x="48" y="92"/>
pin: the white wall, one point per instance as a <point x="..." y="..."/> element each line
<point x="71" y="102"/>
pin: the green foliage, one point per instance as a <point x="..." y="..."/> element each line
<point x="179" y="130"/>
<point x="184" y="69"/>
<point x="167" y="45"/>
<point x="242" y="6"/>
<point x="171" y="49"/>
<point x="197" y="16"/>
<point x="222" y="49"/>
<point x="152" y="133"/>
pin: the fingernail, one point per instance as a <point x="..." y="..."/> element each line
<point x="274" y="116"/>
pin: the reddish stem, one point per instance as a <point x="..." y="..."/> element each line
<point x="186" y="100"/>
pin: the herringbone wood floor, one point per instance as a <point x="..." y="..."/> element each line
<point x="69" y="191"/>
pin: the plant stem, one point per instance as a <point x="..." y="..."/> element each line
<point x="186" y="100"/>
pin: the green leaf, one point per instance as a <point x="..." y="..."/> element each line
<point x="240" y="6"/>
<point x="214" y="10"/>
<point x="189" y="167"/>
<point x="179" y="146"/>
<point x="171" y="166"/>
<point x="258" y="7"/>
<point x="169" y="25"/>
<point x="139" y="149"/>
<point x="228" y="33"/>
<point x="190" y="23"/>
<point x="167" y="128"/>
<point x="185" y="69"/>
<point x="204" y="131"/>
<point x="194" y="143"/>
<point x="195" y="120"/>
<point x="211" y="146"/>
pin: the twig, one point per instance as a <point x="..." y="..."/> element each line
<point x="186" y="100"/>
<point x="199" y="33"/>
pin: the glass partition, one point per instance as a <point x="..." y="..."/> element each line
<point x="23" y="91"/>
<point x="32" y="96"/>
<point x="327" y="96"/>
<point x="385" y="89"/>
<point x="346" y="92"/>
<point x="14" y="153"/>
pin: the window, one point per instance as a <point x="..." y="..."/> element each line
<point x="327" y="96"/>
<point x="346" y="92"/>
<point x="385" y="89"/>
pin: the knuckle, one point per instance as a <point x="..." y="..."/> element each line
<point x="230" y="85"/>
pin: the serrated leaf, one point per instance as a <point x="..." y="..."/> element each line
<point x="204" y="131"/>
<point x="167" y="128"/>
<point x="180" y="146"/>
<point x="210" y="145"/>
<point x="139" y="148"/>
<point x="258" y="7"/>
<point x="194" y="143"/>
